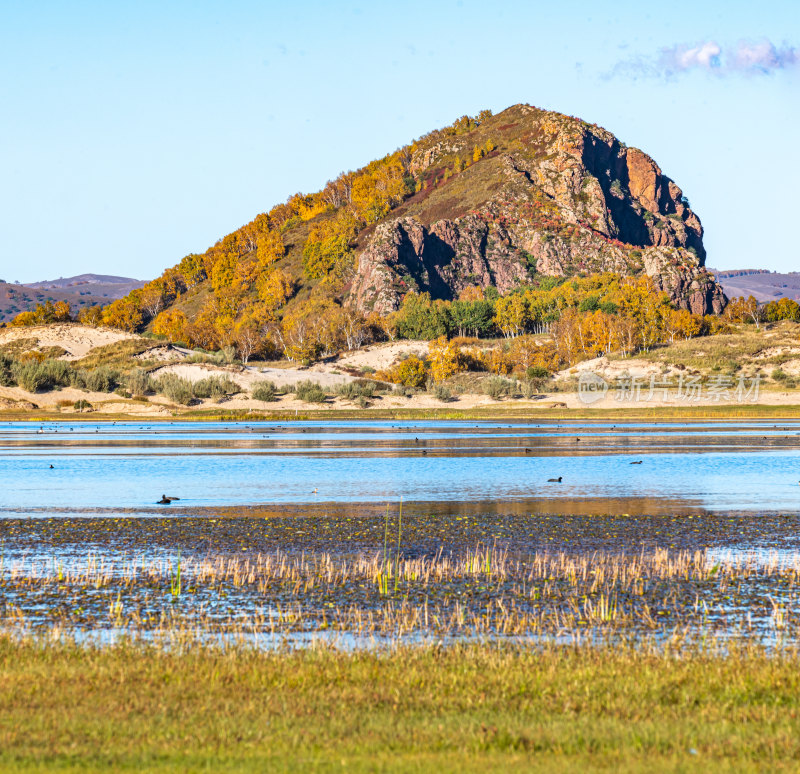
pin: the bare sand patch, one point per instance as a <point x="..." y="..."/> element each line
<point x="166" y="354"/>
<point x="381" y="356"/>
<point x="247" y="376"/>
<point x="611" y="370"/>
<point x="78" y="340"/>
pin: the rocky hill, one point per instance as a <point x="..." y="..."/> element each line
<point x="556" y="196"/>
<point x="491" y="201"/>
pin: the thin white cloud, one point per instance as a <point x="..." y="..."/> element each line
<point x="763" y="57"/>
<point x="704" y="56"/>
<point x="743" y="58"/>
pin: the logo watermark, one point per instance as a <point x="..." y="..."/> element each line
<point x="681" y="389"/>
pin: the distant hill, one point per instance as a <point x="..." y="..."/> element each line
<point x="87" y="279"/>
<point x="80" y="291"/>
<point x="763" y="284"/>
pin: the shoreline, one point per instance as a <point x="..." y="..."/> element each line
<point x="506" y="411"/>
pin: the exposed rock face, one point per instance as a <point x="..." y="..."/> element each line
<point x="404" y="255"/>
<point x="559" y="197"/>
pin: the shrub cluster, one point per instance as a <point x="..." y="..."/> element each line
<point x="265" y="391"/>
<point x="310" y="392"/>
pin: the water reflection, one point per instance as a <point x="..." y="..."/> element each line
<point x="128" y="466"/>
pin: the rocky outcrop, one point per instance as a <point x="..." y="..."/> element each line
<point x="442" y="260"/>
<point x="689" y="285"/>
<point x="560" y="198"/>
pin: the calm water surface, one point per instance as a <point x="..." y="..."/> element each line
<point x="105" y="467"/>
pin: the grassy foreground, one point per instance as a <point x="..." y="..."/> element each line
<point x="473" y="708"/>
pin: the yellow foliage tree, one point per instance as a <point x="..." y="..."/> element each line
<point x="173" y="324"/>
<point x="444" y="359"/>
<point x="471" y="293"/>
<point x="269" y="248"/>
<point x="275" y="288"/>
<point x="510" y="314"/>
<point x="91" y="315"/>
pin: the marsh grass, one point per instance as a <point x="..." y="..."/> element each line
<point x="482" y="592"/>
<point x="464" y="708"/>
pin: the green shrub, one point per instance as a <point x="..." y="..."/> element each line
<point x="215" y="387"/>
<point x="440" y="392"/>
<point x="138" y="382"/>
<point x="101" y="379"/>
<point x="82" y="405"/>
<point x="779" y="375"/>
<point x="530" y="389"/>
<point x="495" y="387"/>
<point x="310" y="392"/>
<point x="537" y="372"/>
<point x="175" y="388"/>
<point x="225" y="356"/>
<point x="356" y="390"/>
<point x="7" y="378"/>
<point x="264" y="391"/>
<point x="32" y="376"/>
<point x="59" y="372"/>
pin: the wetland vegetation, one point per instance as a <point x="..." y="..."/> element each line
<point x="499" y="622"/>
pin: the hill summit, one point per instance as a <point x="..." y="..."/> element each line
<point x="490" y="202"/>
<point x="552" y="195"/>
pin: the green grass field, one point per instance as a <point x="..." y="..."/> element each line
<point x="472" y="708"/>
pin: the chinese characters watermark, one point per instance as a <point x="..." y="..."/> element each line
<point x="681" y="389"/>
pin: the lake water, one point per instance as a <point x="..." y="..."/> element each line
<point x="108" y="467"/>
<point x="281" y="530"/>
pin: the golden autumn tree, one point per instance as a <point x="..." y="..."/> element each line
<point x="510" y="314"/>
<point x="124" y="313"/>
<point x="250" y="332"/>
<point x="471" y="293"/>
<point x="444" y="359"/>
<point x="682" y="324"/>
<point x="91" y="315"/>
<point x="173" y="324"/>
<point x="275" y="287"/>
<point x="270" y="248"/>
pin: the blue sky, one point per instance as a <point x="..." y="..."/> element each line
<point x="135" y="133"/>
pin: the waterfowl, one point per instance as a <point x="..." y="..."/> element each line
<point x="51" y="467"/>
<point x="314" y="490"/>
<point x="164" y="500"/>
<point x="555" y="480"/>
<point x="638" y="462"/>
<point x="527" y="450"/>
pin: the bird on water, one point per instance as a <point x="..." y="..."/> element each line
<point x="166" y="500"/>
<point x="555" y="480"/>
